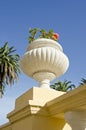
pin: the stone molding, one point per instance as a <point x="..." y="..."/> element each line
<point x="33" y="102"/>
<point x="73" y="100"/>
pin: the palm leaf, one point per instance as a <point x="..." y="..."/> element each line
<point x="9" y="66"/>
<point x="63" y="86"/>
<point x="83" y="81"/>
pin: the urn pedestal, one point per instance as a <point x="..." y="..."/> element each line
<point x="44" y="60"/>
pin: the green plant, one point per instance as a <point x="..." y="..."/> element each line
<point x="42" y="33"/>
<point x="9" y="66"/>
<point x="83" y="81"/>
<point x="63" y="86"/>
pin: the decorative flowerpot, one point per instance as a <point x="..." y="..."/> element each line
<point x="44" y="60"/>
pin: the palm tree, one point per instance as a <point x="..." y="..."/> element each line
<point x="83" y="81"/>
<point x="9" y="66"/>
<point x="63" y="86"/>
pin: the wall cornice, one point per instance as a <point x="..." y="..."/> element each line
<point x="73" y="100"/>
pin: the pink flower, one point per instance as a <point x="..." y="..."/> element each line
<point x="56" y="36"/>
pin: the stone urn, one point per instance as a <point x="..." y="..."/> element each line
<point x="44" y="61"/>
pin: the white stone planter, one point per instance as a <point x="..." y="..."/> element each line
<point x="44" y="60"/>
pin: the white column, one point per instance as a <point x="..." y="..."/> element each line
<point x="76" y="119"/>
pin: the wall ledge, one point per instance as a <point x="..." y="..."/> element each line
<point x="73" y="100"/>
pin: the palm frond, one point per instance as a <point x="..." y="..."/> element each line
<point x="9" y="66"/>
<point x="83" y="81"/>
<point x="63" y="86"/>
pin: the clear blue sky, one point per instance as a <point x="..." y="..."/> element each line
<point x="67" y="17"/>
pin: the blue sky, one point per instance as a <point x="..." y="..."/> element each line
<point x="67" y="17"/>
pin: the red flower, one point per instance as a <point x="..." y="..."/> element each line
<point x="56" y="36"/>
